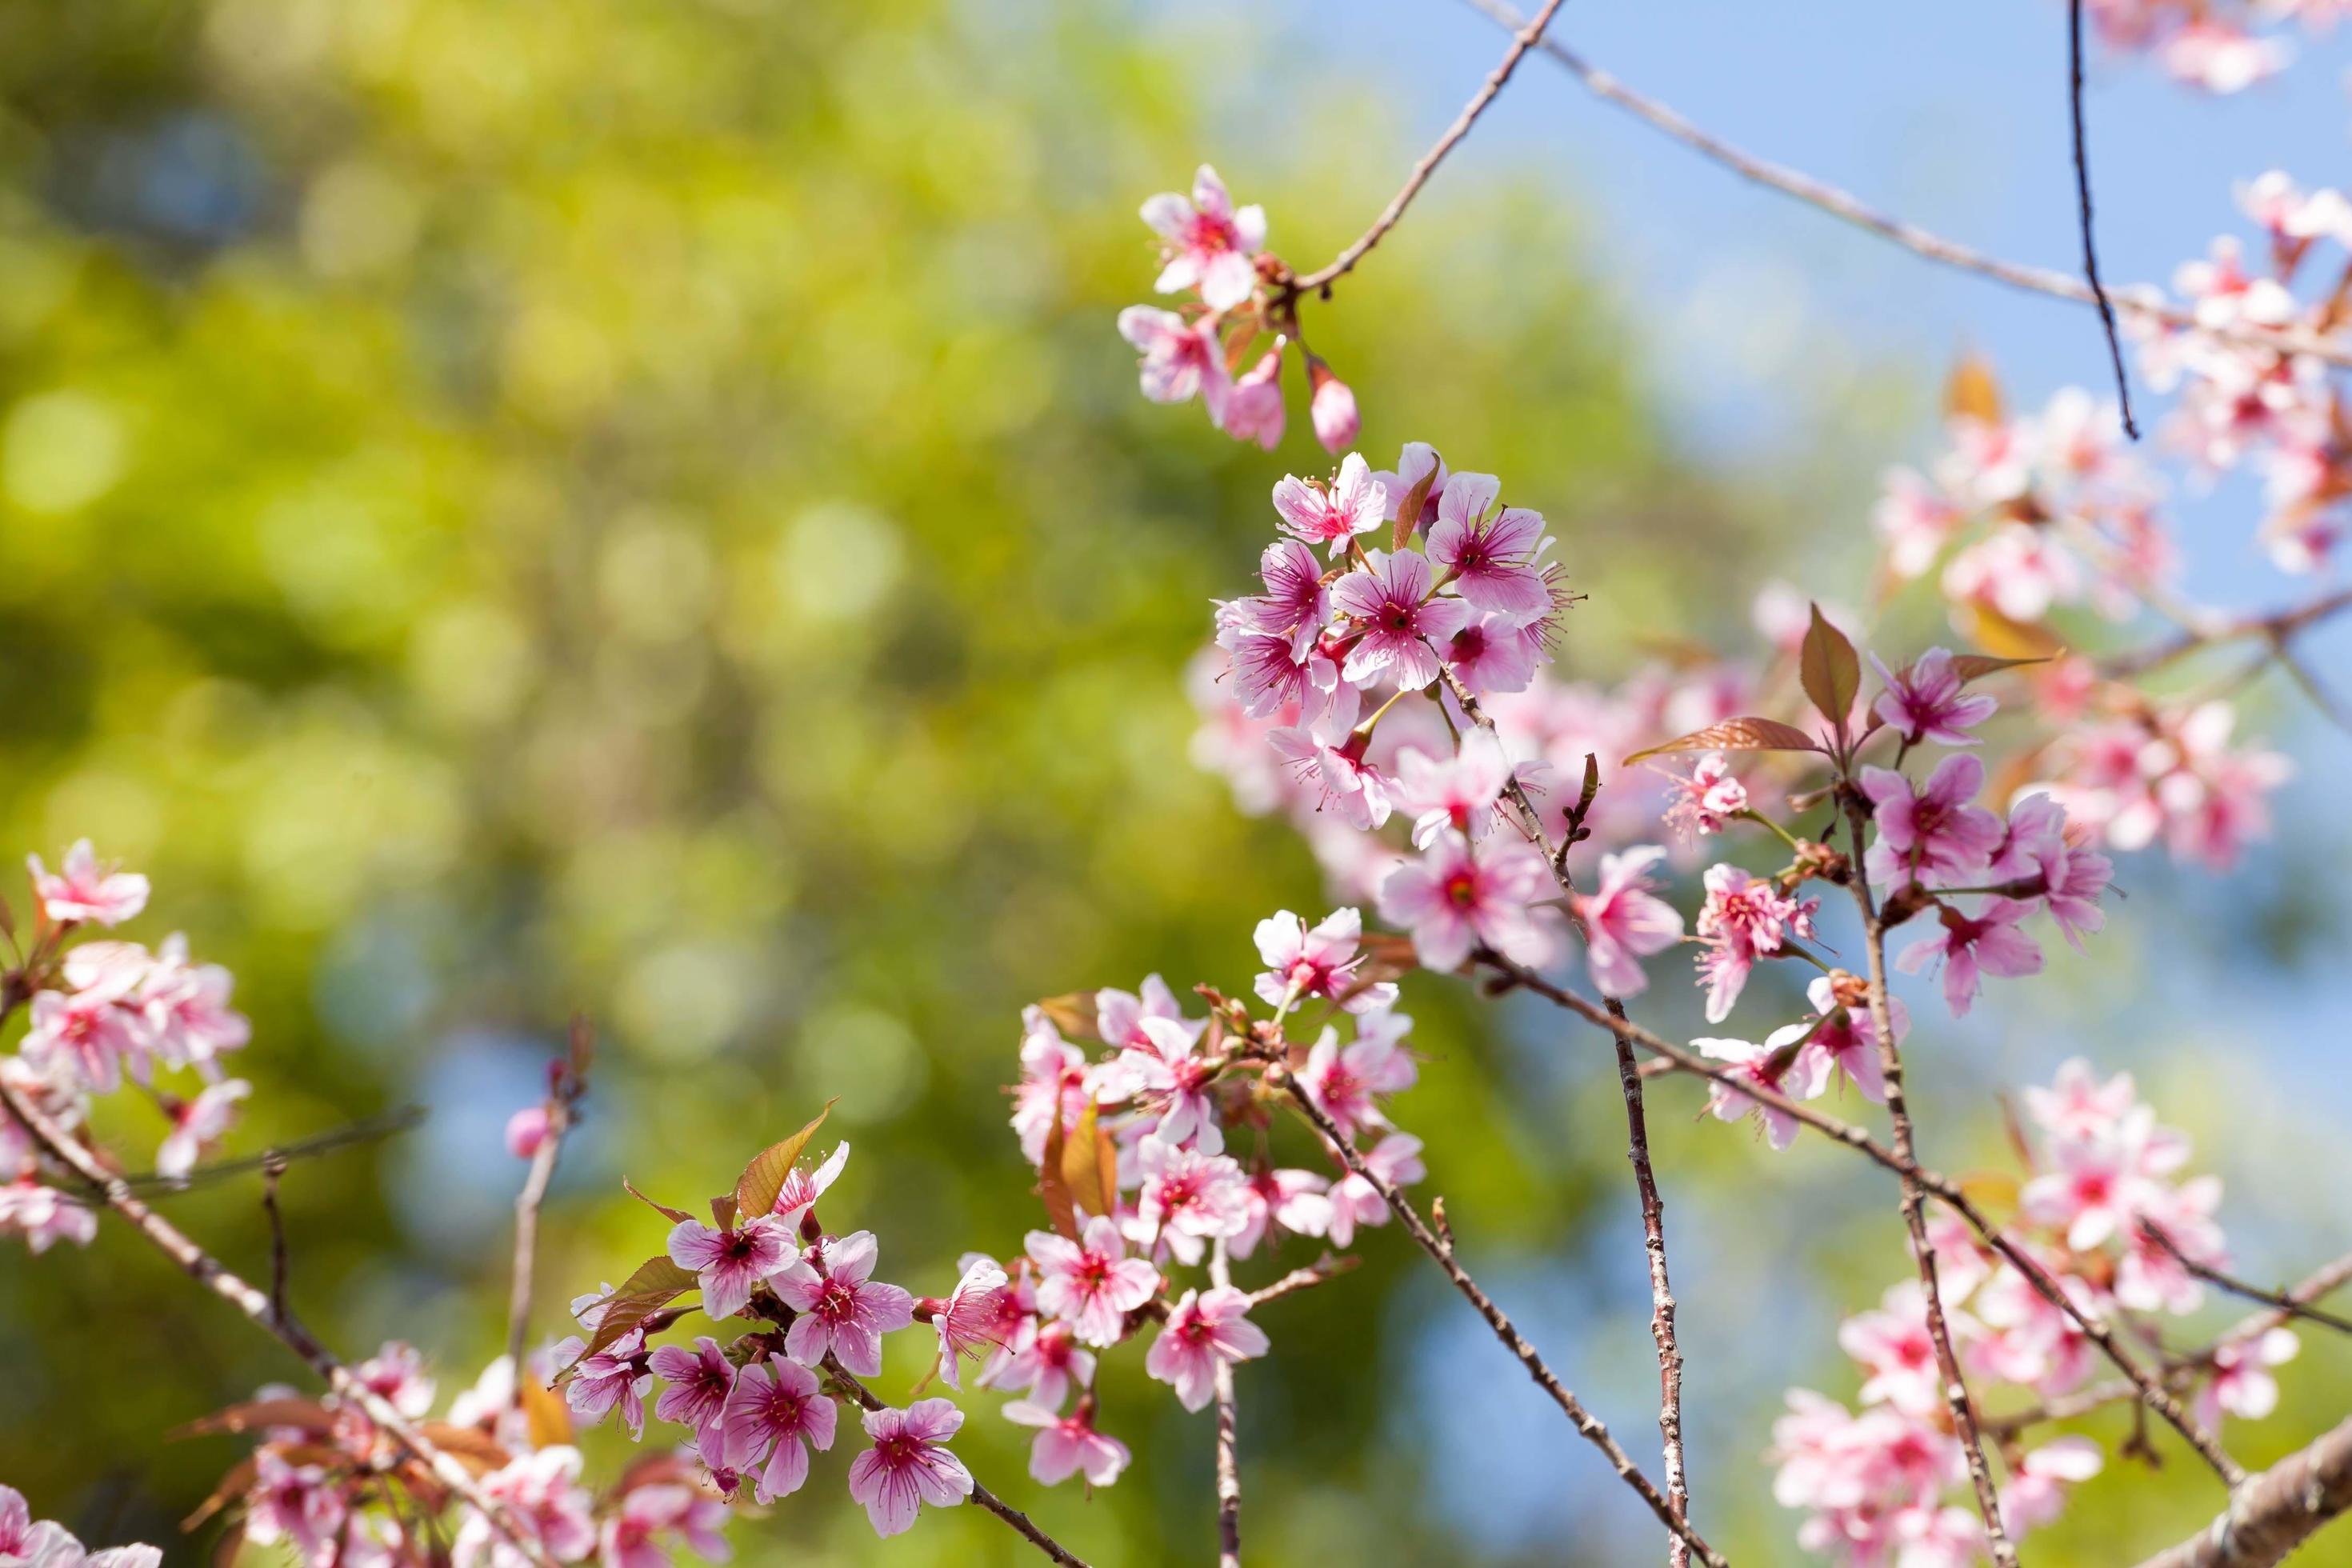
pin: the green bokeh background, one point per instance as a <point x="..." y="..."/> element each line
<point x="637" y="508"/>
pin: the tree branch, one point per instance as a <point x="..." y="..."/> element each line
<point x="1229" y="1471"/>
<point x="1316" y="1273"/>
<point x="2275" y="1511"/>
<point x="2082" y="208"/>
<point x="2279" y="1299"/>
<point x="564" y="1093"/>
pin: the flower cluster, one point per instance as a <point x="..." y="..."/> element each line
<point x="104" y="1013"/>
<point x="2104" y="1210"/>
<point x="1216" y="253"/>
<point x="2216" y="45"/>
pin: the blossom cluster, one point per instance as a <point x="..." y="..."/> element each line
<point x="104" y="1013"/>
<point x="2221" y="46"/>
<point x="2104" y="1209"/>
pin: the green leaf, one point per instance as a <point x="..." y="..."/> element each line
<point x="656" y="1284"/>
<point x="1830" y="671"/>
<point x="1737" y="735"/>
<point x="763" y="1178"/>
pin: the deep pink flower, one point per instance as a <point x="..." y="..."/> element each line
<point x="1345" y="1085"/>
<point x="198" y="1123"/>
<point x="1188" y="1197"/>
<point x="773" y="1416"/>
<point x="1399" y="618"/>
<point x="1331" y="514"/>
<point x="542" y="1494"/>
<point x="1417" y="460"/>
<point x="1179" y="359"/>
<point x="1090" y="1283"/>
<point x="699" y="1382"/>
<point x="797" y="1195"/>
<point x="971" y="1317"/>
<point x="613" y="1378"/>
<point x="1165" y="1071"/>
<point x="294" y="1505"/>
<point x="396" y="1373"/>
<point x="1706" y="798"/>
<point x="1208" y="243"/>
<point x="1396" y="1160"/>
<point x="1624" y="921"/>
<point x="1457" y="792"/>
<point x="1204" y="1330"/>
<point x="1303" y="962"/>
<point x="729" y="1262"/>
<point x="1459" y="895"/>
<point x="908" y="1464"/>
<point x="1744" y="919"/>
<point x="1970" y="946"/>
<point x="1297" y="601"/>
<point x="1293" y="1201"/>
<point x="1765" y="1067"/>
<point x="1495" y="655"/>
<point x="1928" y="702"/>
<point x="1489" y="552"/>
<point x="1332" y="409"/>
<point x="1930" y="832"/>
<point x="1047" y="1367"/>
<point x="1843" y="1044"/>
<point x="842" y="1310"/>
<point x="1069" y="1445"/>
<point x="1336" y="776"/>
<point x="629" y="1538"/>
<point x="83" y="890"/>
<point x="2074" y="878"/>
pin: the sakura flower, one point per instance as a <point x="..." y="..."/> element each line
<point x="1497" y="655"/>
<point x="613" y="1378"/>
<point x="184" y="1006"/>
<point x="1271" y="675"/>
<point x="1762" y="1066"/>
<point x="1915" y="521"/>
<point x="1457" y="792"/>
<point x="16" y="1523"/>
<point x="1488" y="552"/>
<point x="728" y="1263"/>
<point x="2074" y="878"/>
<point x="842" y="1310"/>
<point x="397" y="1375"/>
<point x="2090" y="1190"/>
<point x="1166" y="1072"/>
<point x="1205" y="1330"/>
<point x="1626" y="920"/>
<point x="2037" y="1489"/>
<point x="1709" y="797"/>
<point x="1931" y="831"/>
<point x="1321" y="961"/>
<point x="1337" y="777"/>
<point x="88" y="1033"/>
<point x="1415" y="463"/>
<point x="295" y="1505"/>
<point x="1744" y="919"/>
<point x="773" y="1416"/>
<point x="797" y="1195"/>
<point x="2171" y="1224"/>
<point x="1251" y="409"/>
<point x="197" y="1123"/>
<point x="1069" y="1445"/>
<point x="1047" y="1367"/>
<point x="2019" y="571"/>
<point x="1844" y="1044"/>
<point x="83" y="890"/>
<point x="1208" y="243"/>
<point x="1295" y="603"/>
<point x="1927" y="701"/>
<point x="1053" y="1087"/>
<point x="1345" y="1084"/>
<point x="43" y="1215"/>
<point x="545" y="1500"/>
<point x="908" y="1464"/>
<point x="1332" y="409"/>
<point x="1396" y="1160"/>
<point x="699" y="1382"/>
<point x="1273" y="1199"/>
<point x="2242" y="1382"/>
<point x="1090" y="1283"/>
<point x="1120" y="1016"/>
<point x="1400" y="620"/>
<point x="2077" y="1105"/>
<point x="1459" y="896"/>
<point x="629" y="1538"/>
<point x="1970" y="946"/>
<point x="1893" y="1345"/>
<point x="971" y="1316"/>
<point x="1331" y="514"/>
<point x="1181" y="359"/>
<point x="1188" y="1197"/>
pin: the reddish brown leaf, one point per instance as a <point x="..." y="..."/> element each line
<point x="1831" y="672"/>
<point x="1054" y="1186"/>
<point x="656" y="1284"/>
<point x="305" y="1414"/>
<point x="1408" y="507"/>
<point x="675" y="1216"/>
<point x="763" y="1178"/>
<point x="1737" y="735"/>
<point x="1074" y="1014"/>
<point x="476" y="1450"/>
<point x="232" y="1486"/>
<point x="1977" y="666"/>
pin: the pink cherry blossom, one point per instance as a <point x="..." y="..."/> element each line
<point x="1166" y="1072"/>
<point x="1047" y="1367"/>
<point x="1624" y="921"/>
<point x="1708" y="798"/>
<point x="526" y="1131"/>
<point x="1894" y="1346"/>
<point x="630" y="1537"/>
<point x="1069" y="1445"/>
<point x="396" y="1373"/>
<point x="1053" y="1086"/>
<point x="2037" y="1489"/>
<point x="88" y="1033"/>
<point x="1414" y="462"/>
<point x="699" y="1382"/>
<point x="1181" y="359"/>
<point x="773" y="1416"/>
<point x="1281" y="1200"/>
<point x="1337" y="777"/>
<point x="1332" y="409"/>
<point x="1916" y="522"/>
<point x="1090" y="1283"/>
<point x="615" y="1378"/>
<point x="1188" y="1197"/>
<point x="970" y="1318"/>
<point x="82" y="890"/>
<point x="1969" y="946"/>
<point x="1457" y="792"/>
<point x="1928" y="704"/>
<point x="1489" y="552"/>
<point x="1252" y="407"/>
<point x="1461" y="895"/>
<point x="1842" y="1046"/>
<point x="1208" y="243"/>
<point x="2242" y="1382"/>
<point x="43" y="1215"/>
<point x="1396" y="1160"/>
<point x="1345" y="1084"/>
<point x="1204" y="1330"/>
<point x="797" y="1193"/>
<point x="844" y="1310"/>
<point x="1762" y="1066"/>
<point x="908" y="1464"/>
<point x="1399" y="617"/>
<point x="293" y="1505"/>
<point x="1331" y="514"/>
<point x="543" y="1497"/>
<point x="1303" y="962"/>
<point x="2077" y="1105"/>
<point x="1930" y="832"/>
<point x="1120" y="1016"/>
<point x="1497" y="655"/>
<point x="728" y="1263"/>
<point x="185" y="1006"/>
<point x="2074" y="878"/>
<point x="1297" y="601"/>
<point x="1744" y="919"/>
<point x="198" y="1123"/>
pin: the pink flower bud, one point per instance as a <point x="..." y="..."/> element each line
<point x="1333" y="410"/>
<point x="526" y="1131"/>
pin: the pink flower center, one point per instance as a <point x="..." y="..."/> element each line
<point x="839" y="1301"/>
<point x="1462" y="889"/>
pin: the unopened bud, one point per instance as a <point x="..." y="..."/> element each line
<point x="1332" y="409"/>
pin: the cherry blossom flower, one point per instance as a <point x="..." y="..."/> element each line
<point x="699" y="1382"/>
<point x="628" y="1537"/>
<point x="1297" y="601"/>
<point x="1181" y="359"/>
<point x="1415" y="461"/>
<point x="184" y="1006"/>
<point x="1988" y="943"/>
<point x="797" y="1193"/>
<point x="908" y="1464"/>
<point x="1495" y="655"/>
<point x="1624" y="921"/>
<point x="1763" y="1066"/>
<point x="1489" y="553"/>
<point x="83" y="890"/>
<point x="43" y="1215"/>
<point x="1932" y="831"/>
<point x="1842" y="1044"/>
<point x="1165" y="1071"/>
<point x="1457" y="792"/>
<point x="1188" y="1197"/>
<point x="1396" y="1160"/>
<point x="1332" y="408"/>
<point x="1047" y="1367"/>
<point x="1338" y="777"/>
<point x="1090" y="1283"/>
<point x="1331" y="514"/>
<point x="1400" y="620"/>
<point x="1345" y="1084"/>
<point x="397" y="1375"/>
<point x="1709" y="797"/>
<point x="2242" y="1382"/>
<point x="728" y="1263"/>
<point x="1285" y="1200"/>
<point x="773" y="1416"/>
<point x="2017" y="570"/>
<point x="2037" y="1487"/>
<point x="1251" y="409"/>
<point x="2073" y="877"/>
<point x="971" y="1316"/>
<point x="613" y="1378"/>
<point x="1928" y="702"/>
<point x="294" y="1505"/>
<point x="1744" y="919"/>
<point x="1893" y="1345"/>
<point x="1053" y="1087"/>
<point x="1204" y="1330"/>
<point x="1069" y="1445"/>
<point x="2077" y="1105"/>
<point x="844" y="1310"/>
<point x="545" y="1500"/>
<point x="1460" y="894"/>
<point x="88" y="1033"/>
<point x="1915" y="521"/>
<point x="1209" y="243"/>
<point x="1303" y="962"/>
<point x="196" y="1124"/>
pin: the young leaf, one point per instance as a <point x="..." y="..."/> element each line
<point x="1972" y="393"/>
<point x="1074" y="1014"/>
<point x="548" y="1417"/>
<point x="476" y="1450"/>
<point x="1831" y="672"/>
<point x="305" y="1414"/>
<point x="1054" y="1186"/>
<point x="656" y="1284"/>
<point x="1408" y="507"/>
<point x="675" y="1216"/>
<point x="763" y="1178"/>
<point x="1735" y="735"/>
<point x="1977" y="666"/>
<point x="1090" y="1165"/>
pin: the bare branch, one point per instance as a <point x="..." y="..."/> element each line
<point x="567" y="1085"/>
<point x="2282" y="1301"/>
<point x="2082" y="208"/>
<point x="1325" y="1268"/>
<point x="1229" y="1469"/>
<point x="2278" y="627"/>
<point x="2275" y="1511"/>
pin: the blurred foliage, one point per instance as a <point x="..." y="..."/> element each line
<point x="639" y="508"/>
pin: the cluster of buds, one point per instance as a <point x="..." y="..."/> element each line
<point x="1241" y="295"/>
<point x="107" y="1014"/>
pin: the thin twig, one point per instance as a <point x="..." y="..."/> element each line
<point x="1513" y="1341"/>
<point x="1229" y="1467"/>
<point x="1844" y="205"/>
<point x="979" y="1494"/>
<point x="569" y="1083"/>
<point x="2281" y="1300"/>
<point x="2275" y="1511"/>
<point x="1325" y="1268"/>
<point x="2282" y="625"/>
<point x="1915" y="1207"/>
<point x="273" y="1171"/>
<point x="1345" y="262"/>
<point x="2083" y="208"/>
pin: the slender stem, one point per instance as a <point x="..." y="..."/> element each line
<point x="2083" y="210"/>
<point x="526" y="1246"/>
<point x="1325" y="1268"/>
<point x="2280" y="626"/>
<point x="1845" y="205"/>
<point x="2284" y="1301"/>
<point x="1229" y="1471"/>
<point x="1915" y="1207"/>
<point x="1345" y="262"/>
<point x="2275" y="1511"/>
<point x="1442" y="1254"/>
<point x="208" y="1271"/>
